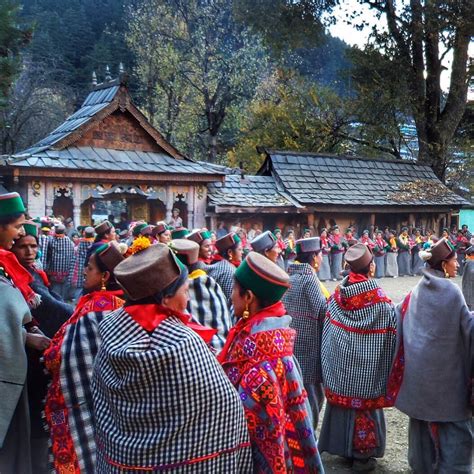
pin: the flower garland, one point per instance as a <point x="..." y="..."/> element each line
<point x="139" y="244"/>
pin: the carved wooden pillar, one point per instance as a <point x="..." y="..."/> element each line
<point x="49" y="198"/>
<point x="191" y="207"/>
<point x="76" y="202"/>
<point x="169" y="203"/>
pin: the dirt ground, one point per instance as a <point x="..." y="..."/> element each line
<point x="395" y="459"/>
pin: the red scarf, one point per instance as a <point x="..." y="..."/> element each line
<point x="356" y="278"/>
<point x="207" y="261"/>
<point x="150" y="316"/>
<point x="19" y="275"/>
<point x="245" y="325"/>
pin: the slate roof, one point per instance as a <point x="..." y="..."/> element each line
<point x="95" y="102"/>
<point x="250" y="192"/>
<point x="106" y="159"/>
<point x="318" y="179"/>
<point x="58" y="150"/>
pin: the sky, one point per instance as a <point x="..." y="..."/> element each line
<point x="352" y="36"/>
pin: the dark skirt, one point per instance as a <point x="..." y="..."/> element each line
<point x="316" y="400"/>
<point x="391" y="269"/>
<point x="417" y="263"/>
<point x="336" y="265"/>
<point x="404" y="263"/>
<point x="15" y="454"/>
<point x="337" y="433"/>
<point x="325" y="269"/>
<point x="444" y="448"/>
<point x="380" y="266"/>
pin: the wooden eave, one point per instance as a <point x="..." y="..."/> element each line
<point x="111" y="177"/>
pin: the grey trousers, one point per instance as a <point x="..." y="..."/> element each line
<point x="449" y="452"/>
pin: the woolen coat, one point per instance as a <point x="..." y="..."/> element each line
<point x="436" y="331"/>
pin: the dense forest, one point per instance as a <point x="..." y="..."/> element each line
<point x="220" y="77"/>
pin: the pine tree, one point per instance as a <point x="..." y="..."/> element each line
<point x="13" y="37"/>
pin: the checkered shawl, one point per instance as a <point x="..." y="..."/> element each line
<point x="76" y="273"/>
<point x="78" y="351"/>
<point x="163" y="403"/>
<point x="208" y="306"/>
<point x="223" y="272"/>
<point x="44" y="243"/>
<point x="358" y="343"/>
<point x="60" y="257"/>
<point x="306" y="305"/>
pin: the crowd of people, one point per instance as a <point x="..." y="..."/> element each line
<point x="153" y="348"/>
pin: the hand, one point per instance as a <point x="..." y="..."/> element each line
<point x="39" y="342"/>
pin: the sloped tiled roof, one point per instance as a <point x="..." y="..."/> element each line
<point x="60" y="148"/>
<point x="251" y="191"/>
<point x="105" y="159"/>
<point x="95" y="102"/>
<point x="317" y="179"/>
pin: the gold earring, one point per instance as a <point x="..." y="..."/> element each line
<point x="103" y="287"/>
<point x="246" y="313"/>
<point x="446" y="274"/>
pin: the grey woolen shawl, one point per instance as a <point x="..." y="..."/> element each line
<point x="437" y="331"/>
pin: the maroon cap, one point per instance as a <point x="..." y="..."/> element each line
<point x="226" y="242"/>
<point x="358" y="257"/>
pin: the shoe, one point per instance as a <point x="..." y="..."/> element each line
<point x="364" y="465"/>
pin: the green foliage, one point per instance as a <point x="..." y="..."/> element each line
<point x="74" y="37"/>
<point x="285" y="25"/>
<point x="13" y="38"/>
<point x="380" y="101"/>
<point x="195" y="63"/>
<point x="290" y="113"/>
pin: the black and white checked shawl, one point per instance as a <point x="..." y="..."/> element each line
<point x="306" y="305"/>
<point x="354" y="363"/>
<point x="44" y="243"/>
<point x="223" y="272"/>
<point x="60" y="257"/>
<point x="162" y="400"/>
<point x="208" y="306"/>
<point x="78" y="351"/>
<point x="76" y="272"/>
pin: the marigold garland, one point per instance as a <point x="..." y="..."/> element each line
<point x="139" y="244"/>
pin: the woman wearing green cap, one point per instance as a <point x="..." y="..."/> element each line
<point x="70" y="358"/>
<point x="16" y="299"/>
<point x="258" y="359"/>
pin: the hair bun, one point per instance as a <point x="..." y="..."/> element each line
<point x="425" y="255"/>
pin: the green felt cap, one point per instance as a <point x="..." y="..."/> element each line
<point x="11" y="204"/>
<point x="227" y="242"/>
<point x="179" y="233"/>
<point x="31" y="228"/>
<point x="199" y="236"/>
<point x="137" y="230"/>
<point x="262" y="277"/>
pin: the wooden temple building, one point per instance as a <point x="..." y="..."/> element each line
<point x="107" y="150"/>
<point x="299" y="190"/>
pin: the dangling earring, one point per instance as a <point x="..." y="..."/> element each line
<point x="103" y="287"/>
<point x="372" y="274"/>
<point x="446" y="274"/>
<point x="246" y="313"/>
